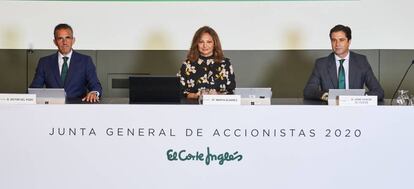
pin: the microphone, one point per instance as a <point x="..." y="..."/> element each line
<point x="30" y="49"/>
<point x="399" y="85"/>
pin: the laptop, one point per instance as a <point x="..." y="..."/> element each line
<point x="48" y="95"/>
<point x="254" y="96"/>
<point x="154" y="89"/>
<point x="254" y="92"/>
<point x="335" y="93"/>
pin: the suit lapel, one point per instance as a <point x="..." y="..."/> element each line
<point x="353" y="69"/>
<point x="72" y="67"/>
<point x="55" y="69"/>
<point x="332" y="70"/>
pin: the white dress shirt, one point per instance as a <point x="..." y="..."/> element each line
<point x="346" y="68"/>
<point x="60" y="60"/>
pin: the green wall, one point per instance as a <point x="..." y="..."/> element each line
<point x="285" y="71"/>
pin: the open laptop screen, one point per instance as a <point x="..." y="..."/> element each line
<point x="333" y="93"/>
<point x="47" y="92"/>
<point x="153" y="89"/>
<point x="254" y="92"/>
<point x="48" y="95"/>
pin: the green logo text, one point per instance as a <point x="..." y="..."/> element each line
<point x="207" y="157"/>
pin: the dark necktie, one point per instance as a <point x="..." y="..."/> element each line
<point x="64" y="69"/>
<point x="341" y="75"/>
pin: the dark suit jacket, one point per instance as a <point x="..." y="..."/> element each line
<point x="81" y="77"/>
<point x="324" y="77"/>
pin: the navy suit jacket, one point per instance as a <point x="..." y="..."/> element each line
<point x="324" y="77"/>
<point x="81" y="77"/>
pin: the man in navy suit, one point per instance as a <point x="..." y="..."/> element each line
<point x="68" y="69"/>
<point x="342" y="69"/>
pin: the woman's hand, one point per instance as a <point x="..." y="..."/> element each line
<point x="193" y="95"/>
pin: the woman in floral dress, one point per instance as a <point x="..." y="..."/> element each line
<point x="206" y="68"/>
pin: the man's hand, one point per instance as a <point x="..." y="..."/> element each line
<point x="91" y="97"/>
<point x="324" y="97"/>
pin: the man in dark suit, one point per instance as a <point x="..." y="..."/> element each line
<point x="342" y="69"/>
<point x="68" y="69"/>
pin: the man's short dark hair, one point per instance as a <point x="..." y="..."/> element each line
<point x="345" y="29"/>
<point x="62" y="26"/>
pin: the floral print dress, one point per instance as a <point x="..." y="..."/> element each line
<point x="207" y="74"/>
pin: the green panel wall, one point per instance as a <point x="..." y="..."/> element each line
<point x="13" y="71"/>
<point x="285" y="71"/>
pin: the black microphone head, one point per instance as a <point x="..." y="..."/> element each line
<point x="412" y="62"/>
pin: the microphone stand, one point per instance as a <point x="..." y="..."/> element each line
<point x="399" y="85"/>
<point x="28" y="52"/>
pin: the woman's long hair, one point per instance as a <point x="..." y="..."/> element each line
<point x="194" y="54"/>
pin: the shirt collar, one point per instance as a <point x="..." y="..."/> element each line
<point x="69" y="55"/>
<point x="337" y="58"/>
<point x="206" y="57"/>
